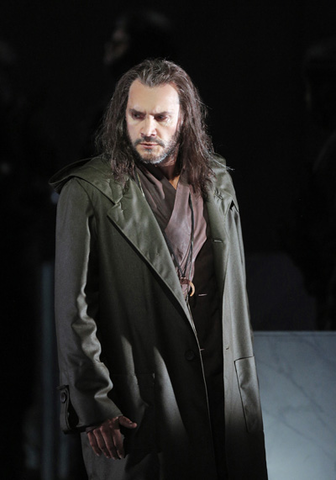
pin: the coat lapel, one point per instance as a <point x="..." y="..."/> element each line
<point x="134" y="218"/>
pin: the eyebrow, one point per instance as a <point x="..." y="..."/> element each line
<point x="166" y="112"/>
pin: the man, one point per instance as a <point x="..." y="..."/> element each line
<point x="155" y="350"/>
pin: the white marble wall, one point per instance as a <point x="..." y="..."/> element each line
<point x="297" y="374"/>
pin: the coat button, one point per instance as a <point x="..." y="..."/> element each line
<point x="63" y="397"/>
<point x="189" y="355"/>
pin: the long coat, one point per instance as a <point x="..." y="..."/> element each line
<point x="126" y="339"/>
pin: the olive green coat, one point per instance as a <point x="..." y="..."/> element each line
<point x="126" y="340"/>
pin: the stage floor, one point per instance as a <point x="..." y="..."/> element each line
<point x="297" y="375"/>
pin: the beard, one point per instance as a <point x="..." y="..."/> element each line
<point x="168" y="149"/>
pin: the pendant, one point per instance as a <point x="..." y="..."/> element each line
<point x="192" y="286"/>
<point x="185" y="281"/>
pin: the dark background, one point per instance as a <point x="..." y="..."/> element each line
<point x="245" y="56"/>
<point x="246" y="59"/>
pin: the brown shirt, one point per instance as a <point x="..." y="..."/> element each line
<point x="173" y="212"/>
<point x="180" y="215"/>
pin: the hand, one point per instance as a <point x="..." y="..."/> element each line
<point x="107" y="438"/>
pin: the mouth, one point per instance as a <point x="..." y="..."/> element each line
<point x="149" y="147"/>
<point x="149" y="144"/>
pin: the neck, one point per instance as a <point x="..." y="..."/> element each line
<point x="171" y="172"/>
<point x="169" y="168"/>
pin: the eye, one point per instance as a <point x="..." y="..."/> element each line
<point x="137" y="115"/>
<point x="161" y="118"/>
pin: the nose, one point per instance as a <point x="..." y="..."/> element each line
<point x="149" y="128"/>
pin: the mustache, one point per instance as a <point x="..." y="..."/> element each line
<point x="148" y="140"/>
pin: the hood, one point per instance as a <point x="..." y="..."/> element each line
<point x="96" y="171"/>
<point x="223" y="186"/>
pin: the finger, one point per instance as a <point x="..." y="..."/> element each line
<point x="118" y="440"/>
<point x="126" y="422"/>
<point x="109" y="448"/>
<point x="93" y="443"/>
<point x="102" y="447"/>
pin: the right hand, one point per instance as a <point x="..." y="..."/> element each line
<point x="108" y="439"/>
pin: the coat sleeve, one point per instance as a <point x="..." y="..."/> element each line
<point x="85" y="380"/>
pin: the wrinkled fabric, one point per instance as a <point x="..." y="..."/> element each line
<point x="123" y="350"/>
<point x="180" y="214"/>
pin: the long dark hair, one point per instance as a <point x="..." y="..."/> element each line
<point x="196" y="149"/>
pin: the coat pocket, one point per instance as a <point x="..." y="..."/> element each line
<point x="249" y="393"/>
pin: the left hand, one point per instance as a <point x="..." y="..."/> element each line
<point x="108" y="439"/>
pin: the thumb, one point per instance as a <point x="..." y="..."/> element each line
<point x="126" y="422"/>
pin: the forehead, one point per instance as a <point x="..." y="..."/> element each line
<point x="163" y="98"/>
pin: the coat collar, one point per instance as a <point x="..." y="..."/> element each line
<point x="132" y="215"/>
<point x="134" y="218"/>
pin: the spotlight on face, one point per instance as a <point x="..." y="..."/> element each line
<point x="152" y="117"/>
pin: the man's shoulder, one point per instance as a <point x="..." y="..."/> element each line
<point x="218" y="165"/>
<point x="96" y="171"/>
<point x="222" y="182"/>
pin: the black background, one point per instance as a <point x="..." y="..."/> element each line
<point x="244" y="56"/>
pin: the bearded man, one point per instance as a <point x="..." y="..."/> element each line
<point x="155" y="352"/>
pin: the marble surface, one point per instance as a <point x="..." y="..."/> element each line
<point x="297" y="375"/>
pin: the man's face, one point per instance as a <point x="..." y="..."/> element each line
<point x="152" y="117"/>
